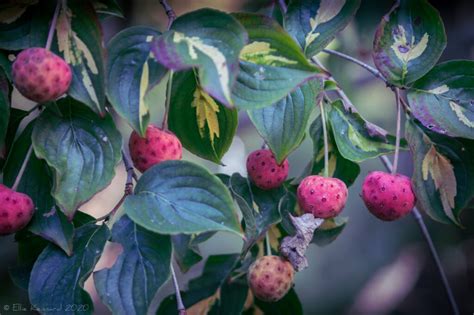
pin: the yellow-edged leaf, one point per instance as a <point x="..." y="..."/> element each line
<point x="206" y="112"/>
<point x="441" y="171"/>
<point x="261" y="53"/>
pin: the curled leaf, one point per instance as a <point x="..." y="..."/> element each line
<point x="294" y="247"/>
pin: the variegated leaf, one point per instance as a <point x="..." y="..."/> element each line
<point x="208" y="40"/>
<point x="314" y="24"/>
<point x="79" y="39"/>
<point x="409" y="41"/>
<point x="443" y="100"/>
<point x="443" y="176"/>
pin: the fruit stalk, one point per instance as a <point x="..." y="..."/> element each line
<point x="434" y="253"/>
<point x="325" y="139"/>
<point x="267" y="243"/>
<point x="169" y="12"/>
<point x="397" y="134"/>
<point x="179" y="299"/>
<point x="23" y="168"/>
<point x="164" y="124"/>
<point x="52" y="28"/>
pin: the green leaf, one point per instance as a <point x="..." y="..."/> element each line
<point x="142" y="268"/>
<point x="232" y="298"/>
<point x="176" y="197"/>
<point x="271" y="65"/>
<point x="207" y="138"/>
<point x="283" y="124"/>
<point x="21" y="29"/>
<point x="208" y="40"/>
<point x="443" y="99"/>
<point x="289" y="304"/>
<point x="82" y="150"/>
<point x="79" y="40"/>
<point x="58" y="280"/>
<point x="29" y="248"/>
<point x="15" y="118"/>
<point x="339" y="166"/>
<point x="356" y="139"/>
<point x="107" y="8"/>
<point x="4" y="114"/>
<point x="47" y="222"/>
<point x="443" y="177"/>
<point x="314" y="24"/>
<point x="327" y="232"/>
<point x="131" y="73"/>
<point x="186" y="253"/>
<point x="215" y="273"/>
<point x="260" y="208"/>
<point x="409" y="41"/>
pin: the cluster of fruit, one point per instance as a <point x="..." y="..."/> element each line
<point x="42" y="76"/>
<point x="388" y="197"/>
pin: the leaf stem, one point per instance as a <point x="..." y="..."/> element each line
<point x="52" y="28"/>
<point x="179" y="299"/>
<point x="267" y="243"/>
<point x="283" y="6"/>
<point x="325" y="138"/>
<point x="164" y="124"/>
<point x="397" y="133"/>
<point x="434" y="253"/>
<point x="128" y="187"/>
<point x="23" y="168"/>
<point x="371" y="69"/>
<point x="169" y="12"/>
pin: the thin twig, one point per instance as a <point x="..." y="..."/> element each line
<point x="397" y="133"/>
<point x="52" y="28"/>
<point x="348" y="106"/>
<point x="325" y="139"/>
<point x="23" y="168"/>
<point x="164" y="124"/>
<point x="267" y="243"/>
<point x="434" y="253"/>
<point x="127" y="191"/>
<point x="371" y="69"/>
<point x="179" y="299"/>
<point x="283" y="6"/>
<point x="169" y="12"/>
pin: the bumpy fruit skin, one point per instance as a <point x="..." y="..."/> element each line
<point x="264" y="170"/>
<point x="16" y="210"/>
<point x="41" y="75"/>
<point x="270" y="278"/>
<point x="388" y="197"/>
<point x="157" y="146"/>
<point x="324" y="197"/>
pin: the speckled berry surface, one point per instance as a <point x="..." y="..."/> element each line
<point x="324" y="197"/>
<point x="270" y="278"/>
<point x="16" y="210"/>
<point x="388" y="197"/>
<point x="41" y="75"/>
<point x="157" y="146"/>
<point x="264" y="171"/>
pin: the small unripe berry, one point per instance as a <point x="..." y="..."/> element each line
<point x="264" y="171"/>
<point x="388" y="197"/>
<point x="16" y="210"/>
<point x="270" y="278"/>
<point x="40" y="75"/>
<point x="157" y="146"/>
<point x="324" y="197"/>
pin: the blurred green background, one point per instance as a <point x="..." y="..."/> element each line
<point x="373" y="267"/>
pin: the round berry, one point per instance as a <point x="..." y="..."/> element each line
<point x="157" y="146"/>
<point x="388" y="197"/>
<point x="270" y="278"/>
<point x="40" y="75"/>
<point x="264" y="171"/>
<point x="324" y="197"/>
<point x="16" y="210"/>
